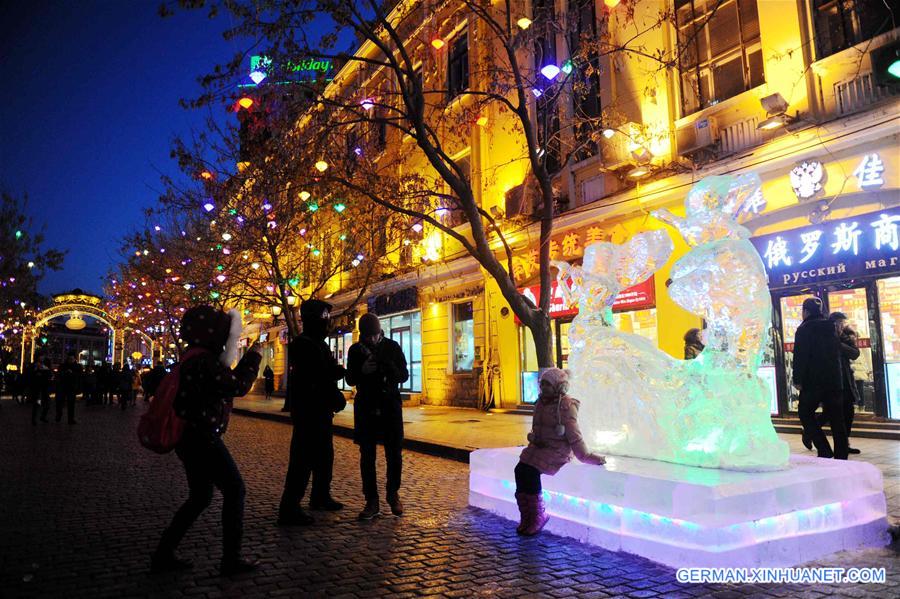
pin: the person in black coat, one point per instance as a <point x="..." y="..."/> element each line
<point x="152" y="379"/>
<point x="314" y="398"/>
<point x="850" y="394"/>
<point x="40" y="377"/>
<point x="269" y="377"/>
<point x="817" y="375"/>
<point x="376" y="366"/>
<point x="206" y="387"/>
<point x="68" y="384"/>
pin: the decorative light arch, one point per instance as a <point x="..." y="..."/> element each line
<point x="78" y="303"/>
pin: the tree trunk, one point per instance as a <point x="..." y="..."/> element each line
<point x="543" y="340"/>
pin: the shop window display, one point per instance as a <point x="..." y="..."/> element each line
<point x="463" y="337"/>
<point x="406" y="330"/>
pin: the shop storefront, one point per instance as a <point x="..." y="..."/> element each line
<point x="853" y="265"/>
<point x="634" y="311"/>
<point x="401" y="321"/>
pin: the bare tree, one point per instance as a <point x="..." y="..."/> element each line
<point x="530" y="62"/>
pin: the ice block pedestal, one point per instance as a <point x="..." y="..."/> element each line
<point x="685" y="516"/>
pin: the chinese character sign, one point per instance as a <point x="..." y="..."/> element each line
<point x="870" y="172"/>
<point x="856" y="246"/>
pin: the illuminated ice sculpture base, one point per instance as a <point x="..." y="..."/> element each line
<point x="685" y="516"/>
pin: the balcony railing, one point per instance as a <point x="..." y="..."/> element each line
<point x="858" y="94"/>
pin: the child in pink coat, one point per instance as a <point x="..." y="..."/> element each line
<point x="554" y="439"/>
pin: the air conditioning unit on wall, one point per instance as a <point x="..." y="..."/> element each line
<point x="698" y="135"/>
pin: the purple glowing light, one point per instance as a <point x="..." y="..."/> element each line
<point x="550" y="71"/>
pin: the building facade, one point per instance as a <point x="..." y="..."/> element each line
<point x="787" y="89"/>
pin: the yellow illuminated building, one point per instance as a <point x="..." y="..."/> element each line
<point x="775" y="87"/>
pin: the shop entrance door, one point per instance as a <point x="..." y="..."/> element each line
<point x="889" y="313"/>
<point x="791" y="315"/>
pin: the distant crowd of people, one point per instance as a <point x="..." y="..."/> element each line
<point x="40" y="383"/>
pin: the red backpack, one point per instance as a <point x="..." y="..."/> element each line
<point x="160" y="427"/>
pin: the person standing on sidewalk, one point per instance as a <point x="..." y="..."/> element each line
<point x="849" y="352"/>
<point x="68" y="384"/>
<point x="124" y="386"/>
<point x="269" y="379"/>
<point x="314" y="398"/>
<point x="817" y="375"/>
<point x="376" y="366"/>
<point x="206" y="388"/>
<point x="555" y="438"/>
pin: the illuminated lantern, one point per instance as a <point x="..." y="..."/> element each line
<point x="75" y="323"/>
<point x="437" y="43"/>
<point x="367" y="104"/>
<point x="136" y="355"/>
<point x="321" y="166"/>
<point x="304" y="195"/>
<point x="291" y="300"/>
<point x="339" y="208"/>
<point x="611" y="3"/>
<point x="206" y="175"/>
<point x="481" y="121"/>
<point x="524" y="23"/>
<point x="245" y="102"/>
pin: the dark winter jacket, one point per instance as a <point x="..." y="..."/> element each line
<point x="849" y="352"/>
<point x="152" y="379"/>
<point x="269" y="376"/>
<point x="206" y="388"/>
<point x="313" y="374"/>
<point x="817" y="356"/>
<point x="68" y="378"/>
<point x="377" y="407"/>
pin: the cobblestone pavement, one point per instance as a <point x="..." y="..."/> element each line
<point x="81" y="508"/>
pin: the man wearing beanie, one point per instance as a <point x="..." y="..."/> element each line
<point x="314" y="397"/>
<point x="207" y="385"/>
<point x="817" y="375"/>
<point x="376" y="366"/>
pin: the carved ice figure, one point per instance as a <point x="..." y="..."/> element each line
<point x="637" y="400"/>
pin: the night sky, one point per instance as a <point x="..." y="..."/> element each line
<point x="89" y="98"/>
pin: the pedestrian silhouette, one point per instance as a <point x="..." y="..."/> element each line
<point x="206" y="388"/>
<point x="817" y="375"/>
<point x="314" y="397"/>
<point x="376" y="366"/>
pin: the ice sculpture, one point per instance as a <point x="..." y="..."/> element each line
<point x="637" y="400"/>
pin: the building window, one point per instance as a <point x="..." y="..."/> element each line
<point x="719" y="50"/>
<point x="585" y="78"/>
<point x="844" y="23"/>
<point x="463" y="337"/>
<point x="458" y="65"/>
<point x="546" y="106"/>
<point x="406" y="330"/>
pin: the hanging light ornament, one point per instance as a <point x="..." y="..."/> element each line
<point x="321" y="166"/>
<point x="245" y="102"/>
<point x="550" y="71"/>
<point x="437" y="43"/>
<point x="524" y="23"/>
<point x="304" y="195"/>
